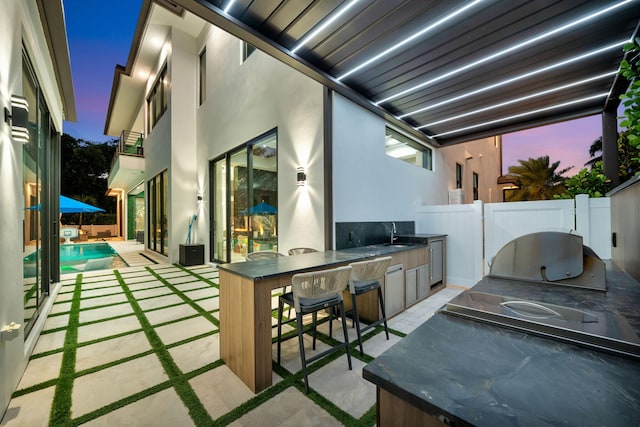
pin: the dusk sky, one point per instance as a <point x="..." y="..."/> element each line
<point x="100" y="35"/>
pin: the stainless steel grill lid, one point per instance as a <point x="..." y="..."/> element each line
<point x="550" y="257"/>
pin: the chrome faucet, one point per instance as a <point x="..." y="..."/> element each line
<point x="393" y="231"/>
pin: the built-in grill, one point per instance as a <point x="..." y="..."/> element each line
<point x="538" y="270"/>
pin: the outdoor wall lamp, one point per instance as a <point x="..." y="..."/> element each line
<point x="199" y="197"/>
<point x="301" y="176"/>
<point x="18" y="118"/>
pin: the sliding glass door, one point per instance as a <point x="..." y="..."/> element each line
<point x="158" y="191"/>
<point x="245" y="200"/>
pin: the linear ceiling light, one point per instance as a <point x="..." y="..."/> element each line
<point x="528" y="113"/>
<point x="227" y="8"/>
<point x="521" y="99"/>
<point x="487" y="88"/>
<point x="411" y="38"/>
<point x="324" y="25"/>
<point x="501" y="53"/>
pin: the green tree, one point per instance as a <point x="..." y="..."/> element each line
<point x="85" y="170"/>
<point x="588" y="181"/>
<point x="630" y="69"/>
<point x="628" y="163"/>
<point x="537" y="180"/>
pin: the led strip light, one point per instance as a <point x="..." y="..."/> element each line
<point x="504" y="52"/>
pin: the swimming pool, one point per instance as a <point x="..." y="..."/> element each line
<point x="74" y="257"/>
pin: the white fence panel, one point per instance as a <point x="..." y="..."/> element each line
<point x="504" y="222"/>
<point x="593" y="223"/>
<point x="463" y="226"/>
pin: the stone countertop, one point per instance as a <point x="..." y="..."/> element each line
<point x="473" y="373"/>
<point x="268" y="268"/>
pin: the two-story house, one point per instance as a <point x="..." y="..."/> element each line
<point x="224" y="145"/>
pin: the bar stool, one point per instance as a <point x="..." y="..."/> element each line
<point x="365" y="277"/>
<point x="312" y="292"/>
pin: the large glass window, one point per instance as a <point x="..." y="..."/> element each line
<point x="40" y="156"/>
<point x="458" y="175"/>
<point x="247" y="50"/>
<point x="157" y="101"/>
<point x="245" y="202"/>
<point x="158" y="213"/>
<point x="476" y="186"/>
<point x="402" y="147"/>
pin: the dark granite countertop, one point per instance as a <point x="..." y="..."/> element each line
<point x="473" y="373"/>
<point x="267" y="268"/>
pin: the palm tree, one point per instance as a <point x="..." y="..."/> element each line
<point x="537" y="179"/>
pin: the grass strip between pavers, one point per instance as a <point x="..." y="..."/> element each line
<point x="180" y="382"/>
<point x="198" y="276"/>
<point x="204" y="313"/>
<point x="62" y="398"/>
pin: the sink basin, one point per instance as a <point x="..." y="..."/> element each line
<point x="397" y="245"/>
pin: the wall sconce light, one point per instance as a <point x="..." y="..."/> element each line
<point x="199" y="197"/>
<point x="301" y="176"/>
<point x="18" y="118"/>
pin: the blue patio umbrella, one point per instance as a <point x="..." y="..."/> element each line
<point x="260" y="209"/>
<point x="69" y="205"/>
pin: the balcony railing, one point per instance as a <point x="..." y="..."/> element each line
<point x="130" y="144"/>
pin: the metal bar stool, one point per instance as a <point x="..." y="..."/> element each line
<point x="365" y="277"/>
<point x="312" y="292"/>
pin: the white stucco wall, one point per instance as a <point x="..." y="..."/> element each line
<point x="368" y="185"/>
<point x="485" y="161"/>
<point x="245" y="100"/>
<point x="19" y="21"/>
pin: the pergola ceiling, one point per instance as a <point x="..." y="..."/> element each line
<point x="463" y="70"/>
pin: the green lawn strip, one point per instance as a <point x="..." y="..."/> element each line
<point x="62" y="313"/>
<point x="191" y="339"/>
<point x="340" y="415"/>
<point x="194" y="274"/>
<point x="254" y="402"/>
<point x="29" y="293"/>
<point x="186" y="299"/>
<point x="91" y="322"/>
<point x="62" y="399"/>
<point x="125" y="359"/>
<point x="35" y="387"/>
<point x="197" y="411"/>
<point x="121" y="403"/>
<point x="369" y="418"/>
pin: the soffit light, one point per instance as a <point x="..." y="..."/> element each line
<point x="577" y="58"/>
<point x="523" y="98"/>
<point x="324" y="25"/>
<point x="504" y="52"/>
<point x="410" y="38"/>
<point x="528" y="113"/>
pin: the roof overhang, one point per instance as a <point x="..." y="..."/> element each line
<point x="155" y="21"/>
<point x="447" y="71"/>
<point x="52" y="17"/>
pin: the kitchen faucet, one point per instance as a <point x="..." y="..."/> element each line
<point x="393" y="231"/>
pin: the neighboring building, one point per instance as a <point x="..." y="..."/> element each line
<point x="35" y="74"/>
<point x="225" y="129"/>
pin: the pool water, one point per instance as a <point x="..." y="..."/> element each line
<point x="73" y="257"/>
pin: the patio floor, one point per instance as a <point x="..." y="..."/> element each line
<point x="140" y="346"/>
